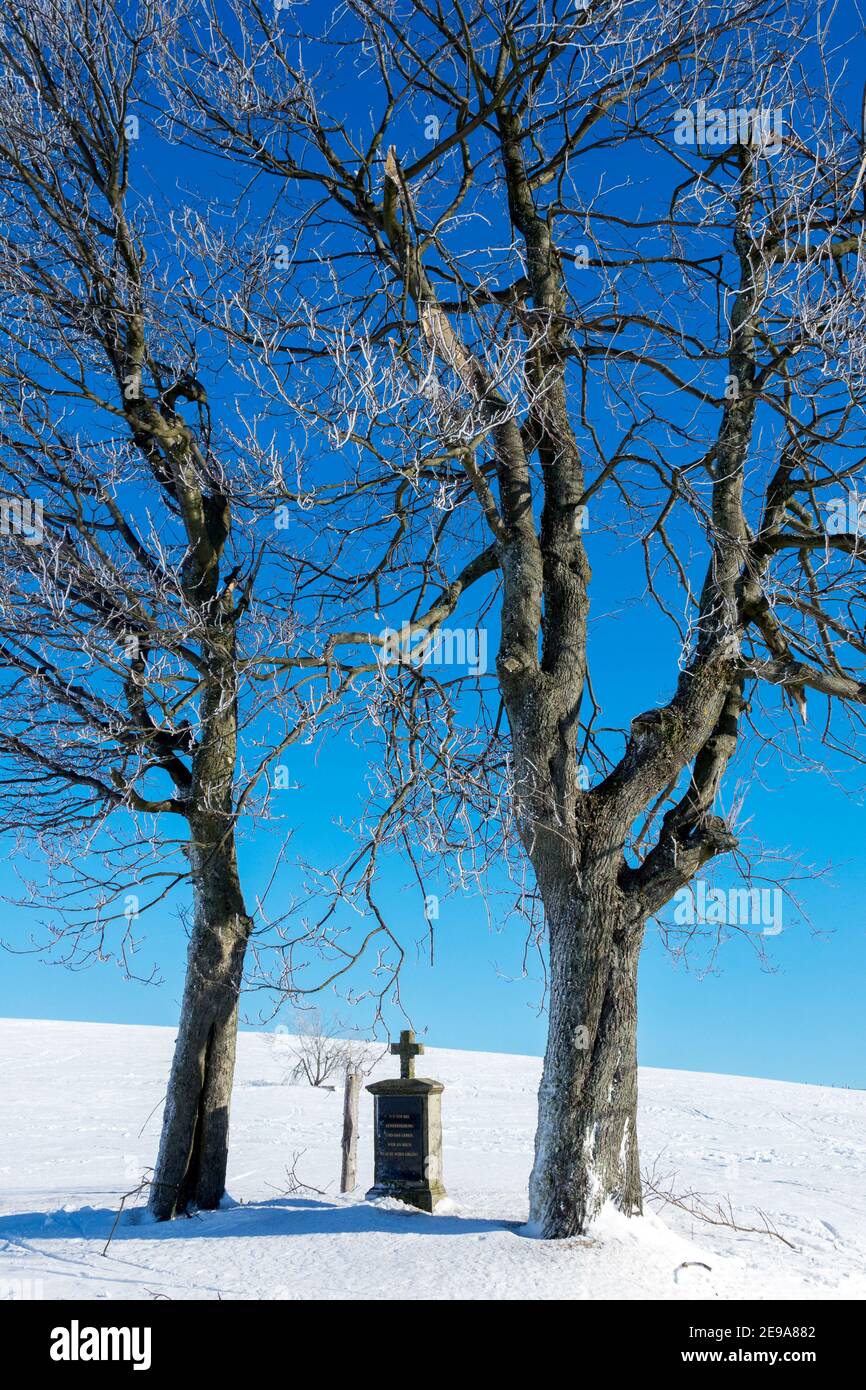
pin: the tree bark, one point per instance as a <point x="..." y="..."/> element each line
<point x="193" y="1153"/>
<point x="586" y="1148"/>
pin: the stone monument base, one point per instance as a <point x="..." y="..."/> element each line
<point x="425" y="1197"/>
<point x="408" y="1141"/>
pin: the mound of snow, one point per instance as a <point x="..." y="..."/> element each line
<point x="80" y="1106"/>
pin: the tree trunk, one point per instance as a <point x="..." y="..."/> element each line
<point x="586" y="1149"/>
<point x="193" y="1152"/>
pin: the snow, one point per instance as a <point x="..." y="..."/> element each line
<point x="80" y="1106"/>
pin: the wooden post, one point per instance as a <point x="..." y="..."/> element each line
<point x="348" y="1177"/>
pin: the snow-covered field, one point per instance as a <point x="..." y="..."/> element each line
<point x="79" y="1115"/>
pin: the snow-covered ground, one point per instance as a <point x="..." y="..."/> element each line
<point x="79" y="1116"/>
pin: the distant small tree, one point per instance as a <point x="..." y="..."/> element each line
<point x="320" y="1055"/>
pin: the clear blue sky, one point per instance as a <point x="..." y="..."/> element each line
<point x="801" y="1020"/>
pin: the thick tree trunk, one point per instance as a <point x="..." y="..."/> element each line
<point x="586" y="1149"/>
<point x="193" y="1153"/>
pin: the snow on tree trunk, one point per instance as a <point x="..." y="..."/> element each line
<point x="586" y="1149"/>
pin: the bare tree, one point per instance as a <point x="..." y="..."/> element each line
<point x="376" y="373"/>
<point x="319" y="1053"/>
<point x="137" y="597"/>
<point x="562" y="261"/>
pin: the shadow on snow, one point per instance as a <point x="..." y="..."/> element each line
<point x="278" y="1216"/>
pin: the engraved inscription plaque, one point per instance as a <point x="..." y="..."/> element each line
<point x="399" y="1139"/>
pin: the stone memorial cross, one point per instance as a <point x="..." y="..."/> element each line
<point x="407" y="1132"/>
<point x="407" y="1050"/>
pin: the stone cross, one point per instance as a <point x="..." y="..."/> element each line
<point x="407" y="1050"/>
<point x="407" y="1132"/>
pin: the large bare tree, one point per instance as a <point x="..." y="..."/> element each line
<point x="137" y="592"/>
<point x="461" y="292"/>
<point x="567" y="269"/>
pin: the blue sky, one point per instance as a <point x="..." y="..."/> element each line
<point x="802" y="1021"/>
<point x="798" y="1017"/>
